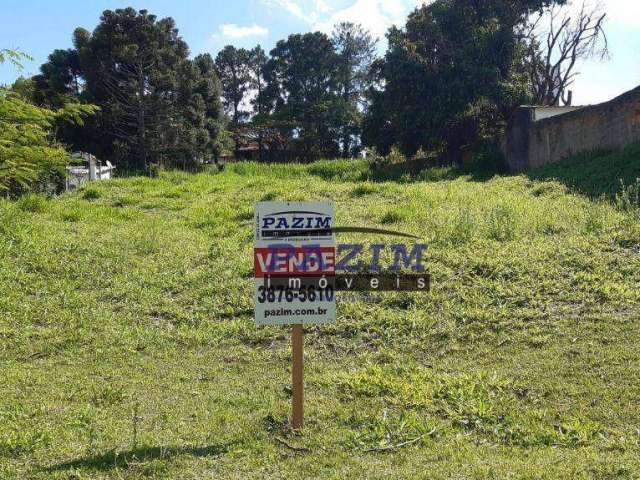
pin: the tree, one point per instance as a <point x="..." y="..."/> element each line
<point x="13" y="56"/>
<point x="356" y="50"/>
<point x="27" y="150"/>
<point x="234" y="69"/>
<point x="132" y="64"/>
<point x="302" y="94"/>
<point x="257" y="63"/>
<point x="259" y="122"/>
<point x="25" y="88"/>
<point x="209" y="88"/>
<point x="61" y="82"/>
<point x="451" y="77"/>
<point x="60" y="79"/>
<point x="554" y="49"/>
<point x="157" y="105"/>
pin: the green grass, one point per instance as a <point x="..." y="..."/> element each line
<point x="128" y="348"/>
<point x="596" y="174"/>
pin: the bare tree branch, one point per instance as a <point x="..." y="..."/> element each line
<point x="553" y="54"/>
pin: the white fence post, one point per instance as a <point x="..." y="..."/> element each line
<point x="92" y="167"/>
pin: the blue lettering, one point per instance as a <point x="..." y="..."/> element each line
<point x="267" y="222"/>
<point x="343" y="263"/>
<point x="323" y="223"/>
<point x="276" y="249"/>
<point x="282" y="223"/>
<point x="375" y="248"/>
<point x="400" y="254"/>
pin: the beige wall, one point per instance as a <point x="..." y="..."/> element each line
<point x="612" y="125"/>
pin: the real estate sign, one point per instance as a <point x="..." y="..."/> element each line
<point x="294" y="262"/>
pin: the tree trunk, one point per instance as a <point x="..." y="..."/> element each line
<point x="141" y="121"/>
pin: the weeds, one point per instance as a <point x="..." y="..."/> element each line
<point x="502" y="223"/>
<point x="518" y="363"/>
<point x="628" y="199"/>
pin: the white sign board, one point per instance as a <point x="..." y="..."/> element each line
<point x="294" y="261"/>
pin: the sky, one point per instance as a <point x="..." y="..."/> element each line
<point x="37" y="27"/>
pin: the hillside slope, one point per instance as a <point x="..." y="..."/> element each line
<point x="129" y="350"/>
<point x="596" y="174"/>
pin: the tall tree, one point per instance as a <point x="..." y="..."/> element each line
<point x="25" y="87"/>
<point x="60" y="79"/>
<point x="259" y="123"/>
<point x="356" y="50"/>
<point x="157" y="105"/>
<point x="257" y="64"/>
<point x="452" y="76"/>
<point x="302" y="77"/>
<point x="208" y="86"/>
<point x="234" y="69"/>
<point x="132" y="65"/>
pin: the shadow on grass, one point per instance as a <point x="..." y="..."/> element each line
<point x="245" y="312"/>
<point x="114" y="459"/>
<point x="363" y="171"/>
<point x="413" y="172"/>
<point x="594" y="174"/>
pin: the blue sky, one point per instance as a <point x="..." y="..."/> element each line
<point x="39" y="26"/>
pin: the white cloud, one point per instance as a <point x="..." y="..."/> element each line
<point x="374" y="15"/>
<point x="322" y="7"/>
<point x="626" y="12"/>
<point x="301" y="10"/>
<point x="231" y="30"/>
<point x="619" y="12"/>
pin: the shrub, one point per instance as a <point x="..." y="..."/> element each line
<point x="502" y="223"/>
<point x="32" y="203"/>
<point x="488" y="158"/>
<point x="25" y="150"/>
<point x="91" y="194"/>
<point x="628" y="199"/>
<point x="28" y="156"/>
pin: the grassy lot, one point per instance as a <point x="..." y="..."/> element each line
<point x="128" y="348"/>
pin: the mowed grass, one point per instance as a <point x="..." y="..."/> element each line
<point x="128" y="347"/>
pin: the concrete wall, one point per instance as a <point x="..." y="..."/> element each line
<point x="535" y="138"/>
<point x="540" y="113"/>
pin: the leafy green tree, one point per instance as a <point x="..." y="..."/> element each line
<point x="356" y="50"/>
<point x="234" y="70"/>
<point x="27" y="151"/>
<point x="157" y="105"/>
<point x="257" y="64"/>
<point x="303" y="94"/>
<point x="259" y="125"/>
<point x="15" y="57"/>
<point x="451" y="77"/>
<point x="60" y="79"/>
<point x="208" y="86"/>
<point x="131" y="63"/>
<point x="25" y="87"/>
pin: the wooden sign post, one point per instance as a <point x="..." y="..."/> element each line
<point x="293" y="256"/>
<point x="297" y="376"/>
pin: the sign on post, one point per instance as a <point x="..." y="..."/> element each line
<point x="294" y="259"/>
<point x="294" y="263"/>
